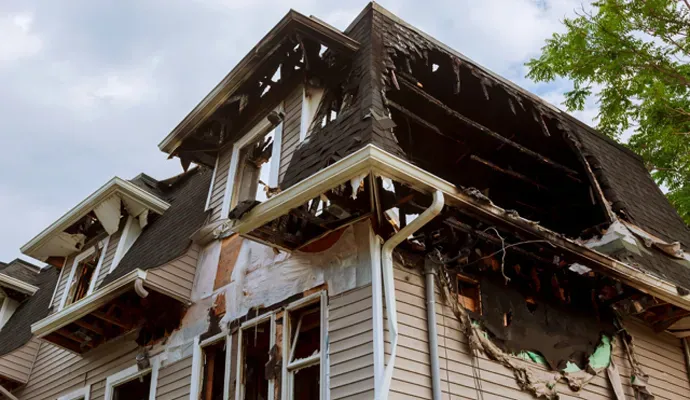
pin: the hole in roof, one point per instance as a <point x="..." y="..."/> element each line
<point x="323" y="121"/>
<point x="266" y="89"/>
<point x="434" y="67"/>
<point x="322" y="50"/>
<point x="276" y="75"/>
<point x="334" y="115"/>
<point x="296" y="47"/>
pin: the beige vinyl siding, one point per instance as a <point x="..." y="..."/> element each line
<point x="62" y="282"/>
<point x="291" y="129"/>
<point x="174" y="380"/>
<point x="58" y="372"/>
<point x="220" y="181"/>
<point x="177" y="275"/>
<point x="351" y="349"/>
<point x="661" y="356"/>
<point x="109" y="256"/>
<point x="17" y="364"/>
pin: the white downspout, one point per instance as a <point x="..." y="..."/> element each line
<point x="389" y="282"/>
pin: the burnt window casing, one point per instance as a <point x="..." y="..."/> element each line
<point x="255" y="342"/>
<point x="254" y="168"/>
<point x="214" y="373"/>
<point x="469" y="295"/>
<point x="82" y="278"/>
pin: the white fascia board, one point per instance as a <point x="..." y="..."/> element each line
<point x="17" y="284"/>
<point x="114" y="186"/>
<point x="371" y="159"/>
<point x="86" y="305"/>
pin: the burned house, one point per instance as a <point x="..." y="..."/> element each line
<point x="371" y="215"/>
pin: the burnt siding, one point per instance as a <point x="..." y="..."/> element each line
<point x="351" y="345"/>
<point x="291" y="129"/>
<point x="351" y="130"/>
<point x="661" y="357"/>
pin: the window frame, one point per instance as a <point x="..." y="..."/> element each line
<point x="239" y="388"/>
<point x="261" y="128"/>
<point x="70" y="279"/>
<point x="198" y="363"/>
<point x="288" y="375"/>
<point x="79" y="394"/>
<point x="131" y="373"/>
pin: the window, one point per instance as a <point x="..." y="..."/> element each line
<point x="255" y="163"/>
<point x="82" y="276"/>
<point x="303" y="348"/>
<point x="256" y="338"/>
<point x="81" y="394"/>
<point x="133" y="383"/>
<point x="469" y="295"/>
<point x="211" y="368"/>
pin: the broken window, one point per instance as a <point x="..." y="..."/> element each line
<point x="82" y="275"/>
<point x="258" y="155"/>
<point x="304" y="351"/>
<point x="469" y="295"/>
<point x="255" y="344"/>
<point x="135" y="389"/>
<point x="215" y="356"/>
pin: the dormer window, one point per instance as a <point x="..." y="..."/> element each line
<point x="255" y="162"/>
<point x="83" y="276"/>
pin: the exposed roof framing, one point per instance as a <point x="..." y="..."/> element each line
<point x="292" y="24"/>
<point x="54" y="241"/>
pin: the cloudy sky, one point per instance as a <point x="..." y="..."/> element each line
<point x="88" y="89"/>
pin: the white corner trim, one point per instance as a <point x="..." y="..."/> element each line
<point x="198" y="363"/>
<point x="94" y="278"/>
<point x="114" y="186"/>
<point x="311" y="99"/>
<point x="57" y="285"/>
<point x="213" y="182"/>
<point x="79" y="394"/>
<point x="275" y="156"/>
<point x="262" y="127"/>
<point x="130" y="233"/>
<point x="17" y="284"/>
<point x="79" y="258"/>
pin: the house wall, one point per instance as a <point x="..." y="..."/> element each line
<point x="17" y="364"/>
<point x="174" y="380"/>
<point x="62" y="282"/>
<point x="109" y="257"/>
<point x="661" y="357"/>
<point x="177" y="275"/>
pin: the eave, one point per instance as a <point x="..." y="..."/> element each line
<point x="17" y="285"/>
<point x="127" y="191"/>
<point x="372" y="160"/>
<point x="292" y="22"/>
<point x="74" y="313"/>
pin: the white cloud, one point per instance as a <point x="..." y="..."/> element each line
<point x="17" y="39"/>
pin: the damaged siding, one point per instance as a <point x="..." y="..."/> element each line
<point x="17" y="364"/>
<point x="174" y="380"/>
<point x="177" y="275"/>
<point x="661" y="357"/>
<point x="291" y="129"/>
<point x="62" y="282"/>
<point x="351" y="348"/>
<point x="58" y="372"/>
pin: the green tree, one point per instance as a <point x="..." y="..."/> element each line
<point x="633" y="56"/>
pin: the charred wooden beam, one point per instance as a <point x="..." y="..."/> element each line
<point x="112" y="320"/>
<point x="481" y="128"/>
<point x="421" y="121"/>
<point x="69" y="335"/>
<point x="90" y="327"/>
<point x="64" y="342"/>
<point x="504" y="171"/>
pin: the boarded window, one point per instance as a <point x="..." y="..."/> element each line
<point x="469" y="295"/>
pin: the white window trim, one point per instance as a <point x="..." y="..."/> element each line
<point x="213" y="182"/>
<point x="263" y="127"/>
<point x="288" y="376"/>
<point x="239" y="391"/>
<point x="79" y="258"/>
<point x="127" y="232"/>
<point x="132" y="373"/>
<point x="79" y="394"/>
<point x="198" y="363"/>
<point x="104" y="248"/>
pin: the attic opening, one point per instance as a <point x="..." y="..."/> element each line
<point x="471" y="131"/>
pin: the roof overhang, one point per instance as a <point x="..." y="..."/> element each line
<point x="134" y="281"/>
<point x="53" y="241"/>
<point x="17" y="285"/>
<point x="292" y="22"/>
<point x="372" y="160"/>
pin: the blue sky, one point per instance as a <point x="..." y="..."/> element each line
<point x="88" y="89"/>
